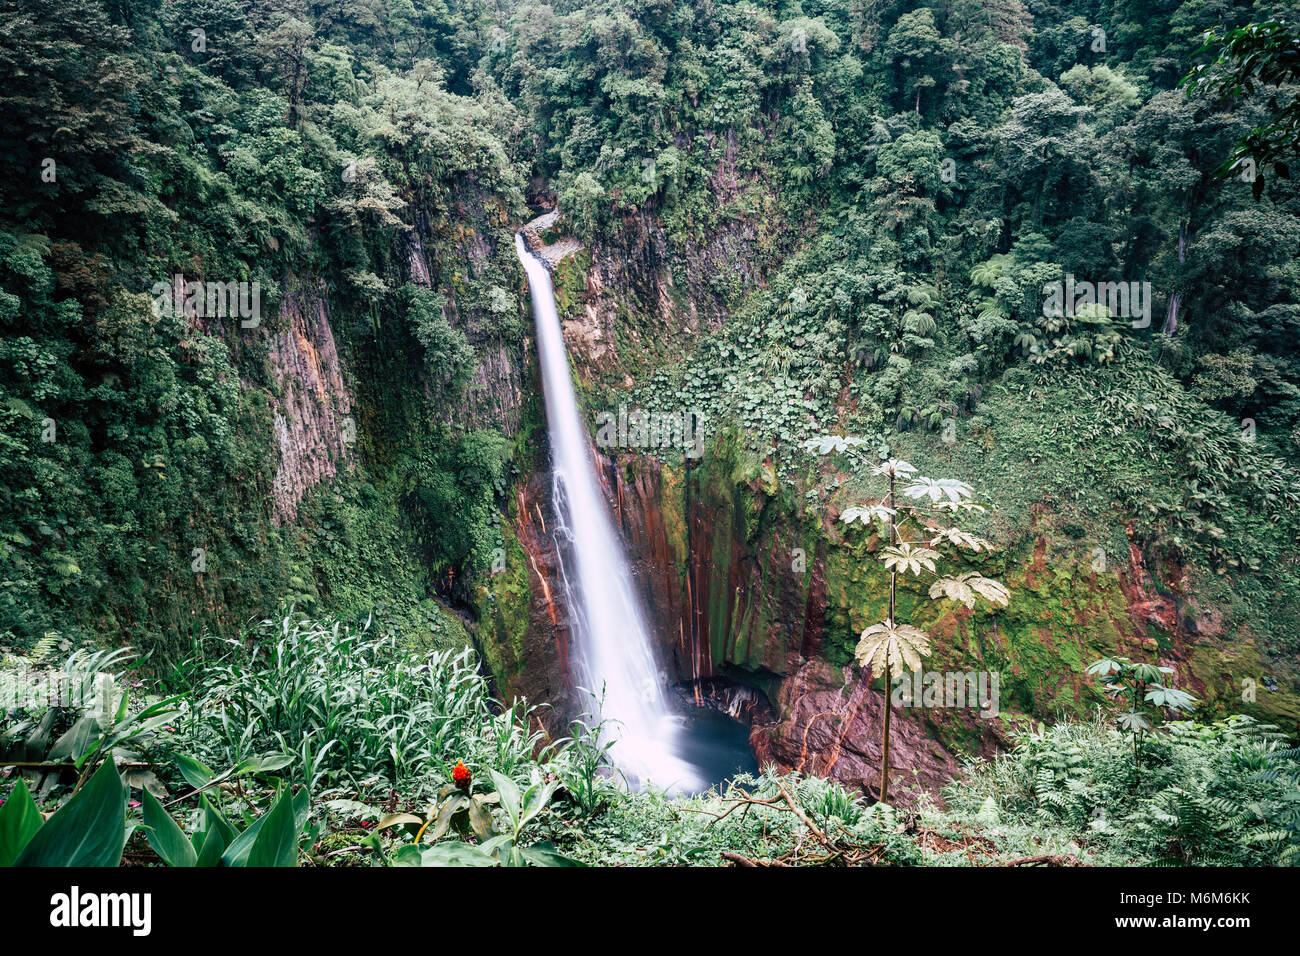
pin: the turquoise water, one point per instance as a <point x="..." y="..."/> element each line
<point x="716" y="745"/>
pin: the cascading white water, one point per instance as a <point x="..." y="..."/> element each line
<point x="613" y="644"/>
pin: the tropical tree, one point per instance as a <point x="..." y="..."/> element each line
<point x="1143" y="689"/>
<point x="915" y="546"/>
<point x="1255" y="57"/>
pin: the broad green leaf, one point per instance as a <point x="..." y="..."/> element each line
<point x="509" y="793"/>
<point x="451" y="853"/>
<point x="196" y="774"/>
<point x="408" y="855"/>
<point x="19" y="819"/>
<point x="277" y="841"/>
<point x="544" y="854"/>
<point x="535" y="801"/>
<point x="263" y="764"/>
<point x="239" y="850"/>
<point x="214" y="844"/>
<point x="215" y="819"/>
<point x="88" y="830"/>
<point x="164" y="835"/>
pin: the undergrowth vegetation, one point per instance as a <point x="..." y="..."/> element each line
<point x="1217" y="794"/>
<point x="349" y="750"/>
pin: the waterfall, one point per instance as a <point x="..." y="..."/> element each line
<point x="612" y="642"/>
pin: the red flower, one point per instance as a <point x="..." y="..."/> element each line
<point x="461" y="775"/>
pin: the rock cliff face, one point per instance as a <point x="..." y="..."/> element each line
<point x="738" y="579"/>
<point x="494" y="394"/>
<point x="634" y="305"/>
<point x="311" y="416"/>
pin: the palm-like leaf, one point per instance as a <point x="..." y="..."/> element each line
<point x="1170" y="697"/>
<point x="1134" y="722"/>
<point x="895" y="468"/>
<point x="970" y="506"/>
<point x="988" y="272"/>
<point x="991" y="310"/>
<point x="826" y="444"/>
<point x="918" y="322"/>
<point x="906" y="557"/>
<point x="891" y="648"/>
<point x="966" y="587"/>
<point x="923" y="296"/>
<point x="867" y="514"/>
<point x="961" y="539"/>
<point x="939" y="489"/>
<point x="1107" y="666"/>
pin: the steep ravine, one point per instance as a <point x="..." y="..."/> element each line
<point x="748" y="587"/>
<point x="715" y="554"/>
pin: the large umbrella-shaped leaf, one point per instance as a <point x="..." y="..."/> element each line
<point x="905" y="557"/>
<point x="888" y="647"/>
<point x="894" y="468"/>
<point x="966" y="587"/>
<point x="826" y="444"/>
<point x="962" y="539"/>
<point x="939" y="489"/>
<point x="1170" y="697"/>
<point x="867" y="514"/>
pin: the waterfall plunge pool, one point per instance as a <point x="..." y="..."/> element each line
<point x="716" y="745"/>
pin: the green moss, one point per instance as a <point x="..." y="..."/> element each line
<point x="502" y="605"/>
<point x="1229" y="673"/>
<point x="569" y="279"/>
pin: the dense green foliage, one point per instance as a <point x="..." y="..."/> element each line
<point x="384" y="791"/>
<point x="870" y="203"/>
<point x="282" y="148"/>
<point x="940" y="162"/>
<point x="1210" y="795"/>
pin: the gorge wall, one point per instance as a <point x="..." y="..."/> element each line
<point x="750" y="586"/>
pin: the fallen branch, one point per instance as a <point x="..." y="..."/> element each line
<point x="746" y="862"/>
<point x="798" y="811"/>
<point x="1048" y="859"/>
